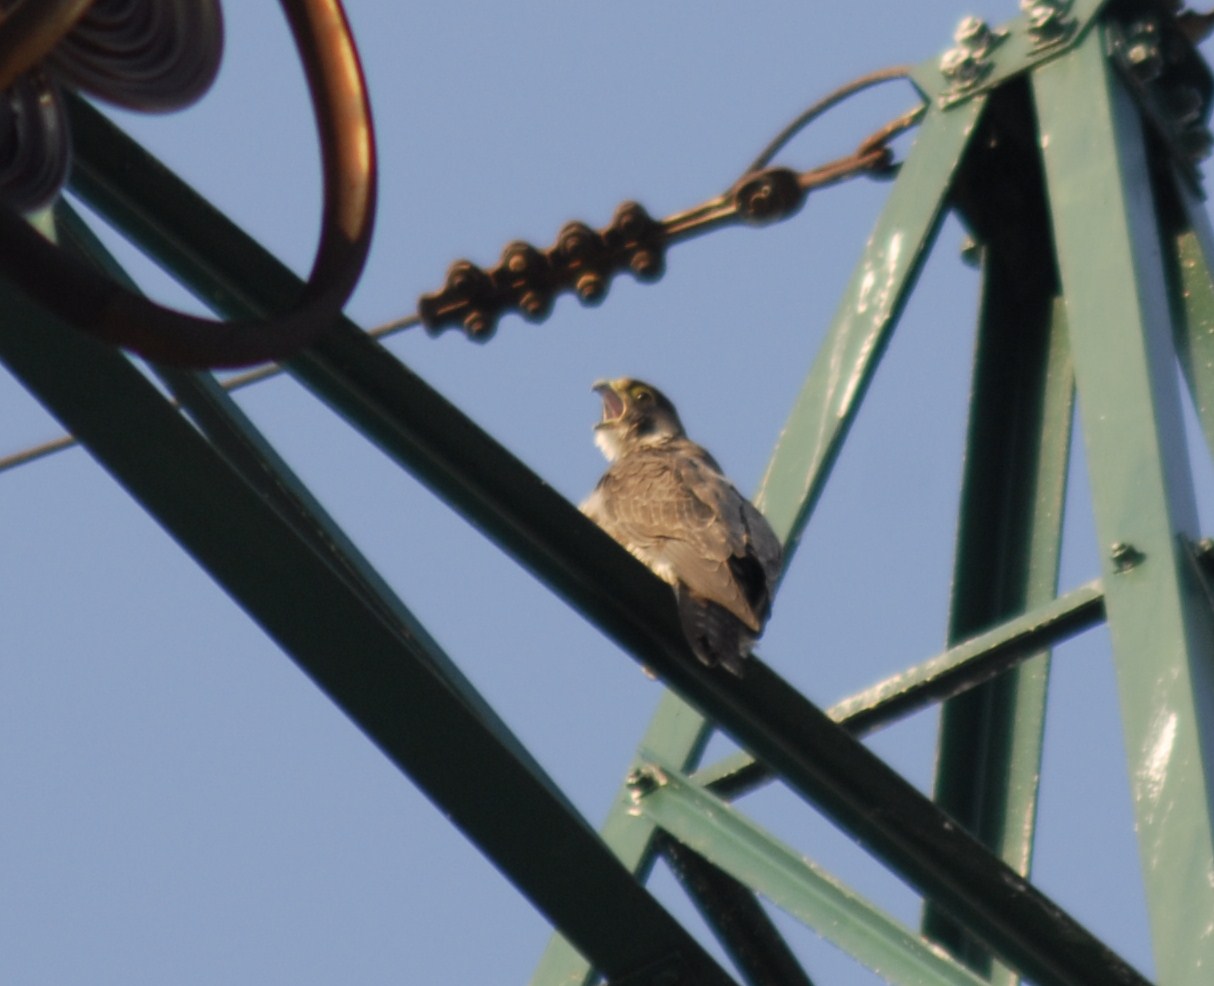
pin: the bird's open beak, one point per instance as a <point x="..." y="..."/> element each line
<point x="613" y="404"/>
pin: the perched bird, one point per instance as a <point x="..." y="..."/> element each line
<point x="665" y="499"/>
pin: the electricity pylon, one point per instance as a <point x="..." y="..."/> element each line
<point x="1066" y="142"/>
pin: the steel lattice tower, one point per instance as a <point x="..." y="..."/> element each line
<point x="1066" y="143"/>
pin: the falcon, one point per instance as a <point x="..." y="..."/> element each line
<point x="666" y="500"/>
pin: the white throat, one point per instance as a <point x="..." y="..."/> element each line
<point x="608" y="441"/>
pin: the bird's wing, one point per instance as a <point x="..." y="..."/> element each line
<point x="674" y="510"/>
<point x="763" y="546"/>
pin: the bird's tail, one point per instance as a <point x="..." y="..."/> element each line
<point x="716" y="636"/>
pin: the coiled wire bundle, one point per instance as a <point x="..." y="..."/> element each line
<point x="150" y="55"/>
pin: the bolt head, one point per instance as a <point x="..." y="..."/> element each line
<point x="643" y="779"/>
<point x="1143" y="50"/>
<point x="972" y="32"/>
<point x="1039" y="10"/>
<point x="1125" y="556"/>
<point x="961" y="67"/>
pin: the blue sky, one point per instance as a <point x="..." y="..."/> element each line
<point x="183" y="805"/>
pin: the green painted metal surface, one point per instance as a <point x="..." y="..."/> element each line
<point x="680" y="732"/>
<point x="1192" y="257"/>
<point x="379" y="672"/>
<point x="741" y="848"/>
<point x="1014" y="50"/>
<point x="1116" y="266"/>
<point x="867" y="313"/>
<point x="736" y="917"/>
<point x="248" y="453"/>
<point x="368" y="653"/>
<point x="480" y="479"/>
<point x="1110" y="258"/>
<point x="1013" y="491"/>
<point x="954" y="672"/>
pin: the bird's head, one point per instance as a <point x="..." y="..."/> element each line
<point x="634" y="414"/>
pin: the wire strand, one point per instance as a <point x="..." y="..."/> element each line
<point x="693" y="221"/>
<point x="827" y="102"/>
<point x="236" y="382"/>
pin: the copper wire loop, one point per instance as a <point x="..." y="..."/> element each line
<point x="30" y="30"/>
<point x="97" y="305"/>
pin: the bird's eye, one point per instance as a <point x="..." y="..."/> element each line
<point x="642" y="395"/>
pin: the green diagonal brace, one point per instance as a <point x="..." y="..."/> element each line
<point x="742" y="849"/>
<point x="1193" y="281"/>
<point x="1009" y="535"/>
<point x="952" y="673"/>
<point x="868" y="311"/>
<point x="380" y="671"/>
<point x="479" y="478"/>
<point x="1109" y="251"/>
<point x="232" y="434"/>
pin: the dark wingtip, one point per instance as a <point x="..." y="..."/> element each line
<point x="715" y="635"/>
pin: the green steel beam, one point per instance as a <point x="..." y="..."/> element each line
<point x="740" y="848"/>
<point x="235" y="437"/>
<point x="762" y="712"/>
<point x="952" y="673"/>
<point x="1109" y="250"/>
<point x="736" y="917"/>
<point x="238" y="440"/>
<point x="974" y="661"/>
<point x="863" y="323"/>
<point x="1014" y="49"/>
<point x="680" y="733"/>
<point x="376" y="394"/>
<point x="381" y="671"/>
<point x="1191" y="264"/>
<point x="1009" y="535"/>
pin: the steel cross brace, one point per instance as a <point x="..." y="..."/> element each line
<point x="347" y="372"/>
<point x="1102" y="173"/>
<point x="984" y="58"/>
<point x="412" y="424"/>
<point x="325" y="608"/>
<point x="480" y="479"/>
<point x="1015" y="713"/>
<point x="740" y="848"/>
<point x="1013" y="492"/>
<point x="369" y="388"/>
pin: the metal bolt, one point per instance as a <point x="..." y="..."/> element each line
<point x="643" y="780"/>
<point x="1143" y="50"/>
<point x="1038" y="12"/>
<point x="958" y="66"/>
<point x="1125" y="556"/>
<point x="1047" y="20"/>
<point x="971" y="252"/>
<point x="968" y="61"/>
<point x="973" y="33"/>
